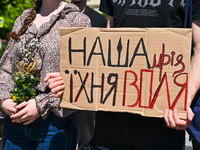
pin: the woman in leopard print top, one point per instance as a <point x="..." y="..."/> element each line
<point x="39" y="121"/>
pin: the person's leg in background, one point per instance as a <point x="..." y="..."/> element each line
<point x="85" y="121"/>
<point x="125" y="131"/>
<point x="1" y="134"/>
<point x="61" y="134"/>
<point x="112" y="131"/>
<point x="195" y="145"/>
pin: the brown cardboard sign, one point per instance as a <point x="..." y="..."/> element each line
<point x="134" y="70"/>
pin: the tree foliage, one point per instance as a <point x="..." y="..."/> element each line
<point x="10" y="10"/>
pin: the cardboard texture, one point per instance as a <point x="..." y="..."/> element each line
<point x="134" y="70"/>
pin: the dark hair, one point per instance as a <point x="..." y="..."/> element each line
<point x="27" y="21"/>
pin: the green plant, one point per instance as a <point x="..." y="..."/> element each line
<point x="2" y="49"/>
<point x="10" y="10"/>
<point x="24" y="87"/>
<point x="105" y="15"/>
<point x="25" y="80"/>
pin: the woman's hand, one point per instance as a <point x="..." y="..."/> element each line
<point x="173" y="121"/>
<point x="28" y="112"/>
<point x="8" y="106"/>
<point x="56" y="83"/>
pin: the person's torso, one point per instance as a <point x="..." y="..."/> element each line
<point x="97" y="20"/>
<point x="148" y="13"/>
<point x="48" y="55"/>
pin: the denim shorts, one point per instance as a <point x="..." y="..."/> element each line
<point x="54" y="133"/>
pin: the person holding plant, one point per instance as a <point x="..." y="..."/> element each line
<point x="32" y="116"/>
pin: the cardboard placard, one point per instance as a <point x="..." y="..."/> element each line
<point x="135" y="70"/>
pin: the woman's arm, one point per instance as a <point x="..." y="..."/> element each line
<point x="194" y="80"/>
<point x="6" y="73"/>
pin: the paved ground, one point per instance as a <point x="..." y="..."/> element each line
<point x="188" y="143"/>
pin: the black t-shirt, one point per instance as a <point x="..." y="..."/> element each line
<point x="147" y="13"/>
<point x="196" y="9"/>
<point x="97" y="20"/>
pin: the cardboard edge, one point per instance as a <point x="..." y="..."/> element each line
<point x="70" y="30"/>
